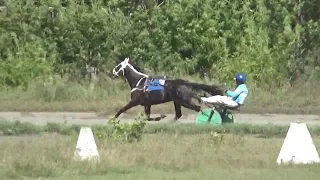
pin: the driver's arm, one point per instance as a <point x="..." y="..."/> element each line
<point x="234" y="93"/>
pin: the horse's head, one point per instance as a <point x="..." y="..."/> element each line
<point x="120" y="69"/>
<point x="126" y="66"/>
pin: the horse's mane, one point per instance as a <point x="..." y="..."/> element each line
<point x="135" y="65"/>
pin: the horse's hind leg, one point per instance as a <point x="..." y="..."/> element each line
<point x="192" y="106"/>
<point x="187" y="102"/>
<point x="188" y="105"/>
<point x="197" y="98"/>
<point x="177" y="108"/>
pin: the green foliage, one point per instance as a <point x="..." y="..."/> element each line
<point x="267" y="40"/>
<point x="127" y="132"/>
<point x="18" y="128"/>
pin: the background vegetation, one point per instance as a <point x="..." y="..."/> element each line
<point x="49" y="49"/>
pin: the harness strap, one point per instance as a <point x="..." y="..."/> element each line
<point x="134" y="89"/>
<point x="138" y="83"/>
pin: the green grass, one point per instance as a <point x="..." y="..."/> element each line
<point x="157" y="156"/>
<point x="102" y="131"/>
<point x="106" y="96"/>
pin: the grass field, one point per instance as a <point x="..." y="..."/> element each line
<point x="157" y="156"/>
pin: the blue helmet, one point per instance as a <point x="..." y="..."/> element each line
<point x="240" y="78"/>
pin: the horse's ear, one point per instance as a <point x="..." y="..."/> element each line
<point x="126" y="60"/>
<point x="132" y="62"/>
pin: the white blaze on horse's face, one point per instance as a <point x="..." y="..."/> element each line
<point x="120" y="67"/>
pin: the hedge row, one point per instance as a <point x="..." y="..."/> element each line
<point x="271" y="41"/>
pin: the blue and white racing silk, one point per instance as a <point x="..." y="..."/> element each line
<point x="240" y="94"/>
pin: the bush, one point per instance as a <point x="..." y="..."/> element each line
<point x="267" y="40"/>
<point x="127" y="132"/>
<point x="18" y="128"/>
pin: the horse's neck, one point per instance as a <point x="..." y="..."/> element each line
<point x="134" y="78"/>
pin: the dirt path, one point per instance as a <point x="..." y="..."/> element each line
<point x="93" y="118"/>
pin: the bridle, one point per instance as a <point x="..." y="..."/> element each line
<point x="125" y="63"/>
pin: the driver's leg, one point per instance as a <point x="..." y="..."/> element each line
<point x="220" y="100"/>
<point x="213" y="99"/>
<point x="229" y="102"/>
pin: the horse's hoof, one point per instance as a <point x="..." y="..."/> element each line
<point x="157" y="118"/>
<point x="176" y="118"/>
<point x="163" y="116"/>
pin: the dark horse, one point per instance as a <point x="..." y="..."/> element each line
<point x="145" y="92"/>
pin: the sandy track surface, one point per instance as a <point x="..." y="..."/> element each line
<point x="88" y="118"/>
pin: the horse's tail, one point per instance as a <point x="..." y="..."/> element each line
<point x="211" y="89"/>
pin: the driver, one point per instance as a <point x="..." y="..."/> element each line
<point x="235" y="98"/>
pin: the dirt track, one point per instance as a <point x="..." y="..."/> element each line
<point x="92" y="118"/>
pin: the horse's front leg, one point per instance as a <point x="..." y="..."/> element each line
<point x="132" y="103"/>
<point x="147" y="111"/>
